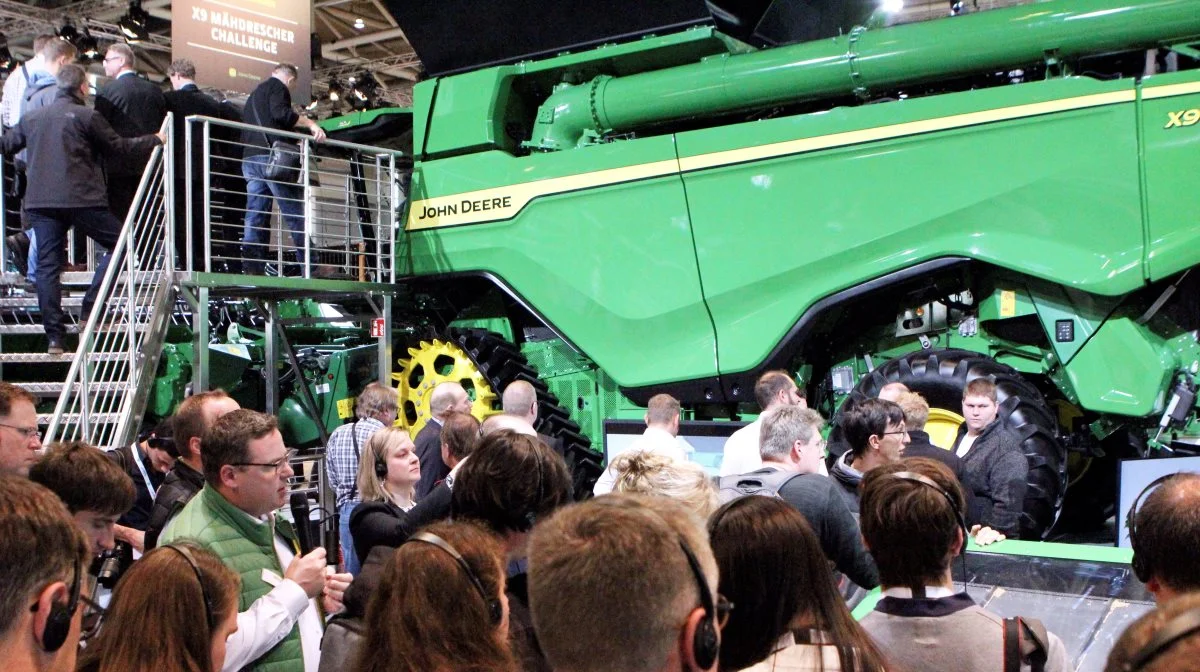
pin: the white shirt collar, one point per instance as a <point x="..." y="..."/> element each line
<point x="931" y="592"/>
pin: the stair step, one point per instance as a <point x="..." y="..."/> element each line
<point x="31" y="301"/>
<point x="42" y="358"/>
<point x="48" y="389"/>
<point x="22" y="329"/>
<point x="80" y="279"/>
<point x="73" y="418"/>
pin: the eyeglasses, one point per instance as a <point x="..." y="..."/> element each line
<point x="26" y="432"/>
<point x="111" y="58"/>
<point x="277" y="465"/>
<point x="899" y="431"/>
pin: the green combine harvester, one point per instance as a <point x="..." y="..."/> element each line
<point x="1007" y="193"/>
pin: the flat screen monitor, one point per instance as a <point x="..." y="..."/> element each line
<point x="704" y="440"/>
<point x="1135" y="475"/>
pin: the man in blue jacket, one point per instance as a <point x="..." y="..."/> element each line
<point x="65" y="142"/>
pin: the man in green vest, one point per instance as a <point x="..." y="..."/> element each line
<point x="246" y="470"/>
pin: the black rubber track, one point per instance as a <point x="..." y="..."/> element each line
<point x="501" y="363"/>
<point x="941" y="375"/>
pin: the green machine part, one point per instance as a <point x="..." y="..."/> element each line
<point x="706" y="245"/>
<point x="333" y="388"/>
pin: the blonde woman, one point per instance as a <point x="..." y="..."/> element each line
<point x="656" y="474"/>
<point x="387" y="479"/>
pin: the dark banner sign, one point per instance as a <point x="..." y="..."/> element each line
<point x="236" y="43"/>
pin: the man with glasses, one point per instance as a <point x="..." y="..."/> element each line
<point x="246" y="472"/>
<point x="625" y="582"/>
<point x="133" y="107"/>
<point x="19" y="442"/>
<point x="875" y="431"/>
<point x="792" y="452"/>
<point x="44" y="553"/>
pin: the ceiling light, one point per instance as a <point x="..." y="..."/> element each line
<point x="67" y="32"/>
<point x="359" y="24"/>
<point x="336" y="90"/>
<point x="89" y="48"/>
<point x="133" y="24"/>
<point x="7" y="62"/>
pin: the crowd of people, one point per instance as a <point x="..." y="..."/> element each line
<point x="494" y="568"/>
<point x="79" y="166"/>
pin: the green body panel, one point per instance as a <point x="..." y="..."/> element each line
<point x="855" y="63"/>
<point x="1123" y="369"/>
<point x="612" y="267"/>
<point x="360" y="118"/>
<point x="456" y="124"/>
<point x="1086" y="312"/>
<point x="775" y="236"/>
<point x="1172" y="199"/>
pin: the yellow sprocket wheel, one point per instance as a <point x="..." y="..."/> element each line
<point x="429" y="364"/>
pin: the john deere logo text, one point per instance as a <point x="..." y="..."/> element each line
<point x="1182" y="118"/>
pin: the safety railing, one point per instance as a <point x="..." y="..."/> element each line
<point x="335" y="216"/>
<point x="108" y="385"/>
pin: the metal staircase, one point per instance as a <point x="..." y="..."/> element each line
<point x="101" y="394"/>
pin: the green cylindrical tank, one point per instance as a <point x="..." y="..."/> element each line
<point x="859" y="61"/>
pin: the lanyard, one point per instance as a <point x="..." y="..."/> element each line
<point x="137" y="459"/>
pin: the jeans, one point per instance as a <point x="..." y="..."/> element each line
<point x="31" y="272"/>
<point x="349" y="558"/>
<point x="256" y="235"/>
<point x="51" y="225"/>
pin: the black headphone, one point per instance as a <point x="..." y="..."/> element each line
<point x="706" y="646"/>
<point x="1140" y="569"/>
<point x="914" y="477"/>
<point x="209" y="617"/>
<point x="58" y="621"/>
<point x="494" y="608"/>
<point x="1175" y="629"/>
<point x="381" y="468"/>
<point x="530" y="515"/>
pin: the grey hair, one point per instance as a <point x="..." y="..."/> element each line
<point x="375" y="399"/>
<point x="785" y="425"/>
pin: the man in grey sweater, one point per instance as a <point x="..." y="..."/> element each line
<point x="922" y="622"/>
<point x="994" y="466"/>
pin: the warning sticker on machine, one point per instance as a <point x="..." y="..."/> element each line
<point x="1008" y="303"/>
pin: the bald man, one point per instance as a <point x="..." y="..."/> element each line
<point x="446" y="398"/>
<point x="520" y="403"/>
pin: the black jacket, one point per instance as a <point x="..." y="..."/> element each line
<point x="183" y="103"/>
<point x="819" y="499"/>
<point x="270" y="105"/>
<point x="385" y="524"/>
<point x="139" y="516"/>
<point x="847" y="480"/>
<point x="995" y="471"/>
<point x="428" y="447"/>
<point x="66" y="142"/>
<point x="920" y="446"/>
<point x="133" y="106"/>
<point x="181" y="484"/>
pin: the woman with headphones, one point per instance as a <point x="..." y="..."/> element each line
<point x="151" y="624"/>
<point x="788" y="615"/>
<point x="440" y="605"/>
<point x="387" y="479"/>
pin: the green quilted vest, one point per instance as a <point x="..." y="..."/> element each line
<point x="248" y="548"/>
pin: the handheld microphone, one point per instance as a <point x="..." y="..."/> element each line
<point x="302" y="521"/>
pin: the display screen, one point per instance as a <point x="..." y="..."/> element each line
<point x="703" y="440"/>
<point x="1135" y="475"/>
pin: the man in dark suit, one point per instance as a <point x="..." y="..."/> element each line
<point x="446" y="398"/>
<point x="184" y="100"/>
<point x="133" y="107"/>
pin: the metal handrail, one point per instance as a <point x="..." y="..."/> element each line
<point x="369" y="184"/>
<point x="130" y="319"/>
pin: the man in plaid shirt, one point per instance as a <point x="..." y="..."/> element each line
<point x="376" y="408"/>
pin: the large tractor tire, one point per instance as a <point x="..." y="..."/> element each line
<point x="941" y="375"/>
<point x="485" y="364"/>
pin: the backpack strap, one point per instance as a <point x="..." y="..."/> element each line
<point x="1025" y="639"/>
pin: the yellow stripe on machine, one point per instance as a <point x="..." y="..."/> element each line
<point x="501" y="203"/>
